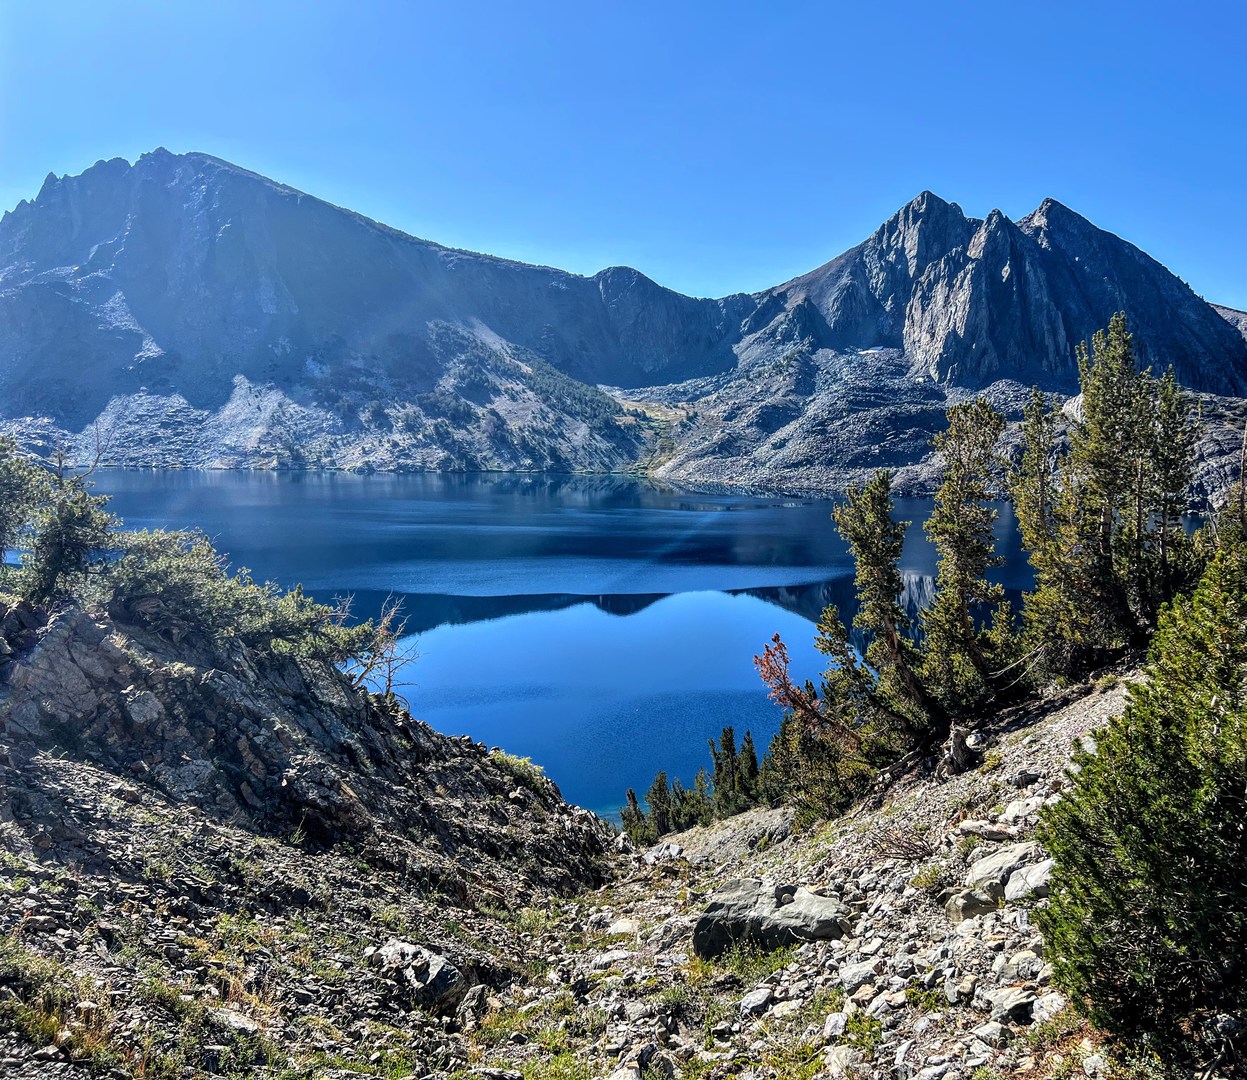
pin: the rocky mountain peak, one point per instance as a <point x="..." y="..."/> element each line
<point x="181" y="274"/>
<point x="1053" y="214"/>
<point x="923" y="230"/>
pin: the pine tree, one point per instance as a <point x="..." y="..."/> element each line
<point x="1147" y="925"/>
<point x="961" y="527"/>
<point x="23" y="486"/>
<point x="1173" y="456"/>
<point x="726" y="783"/>
<point x="658" y="799"/>
<point x="701" y="802"/>
<point x="635" y="822"/>
<point x="71" y="533"/>
<point x="1031" y="484"/>
<point x="876" y="540"/>
<point x="747" y="771"/>
<point x="1105" y="539"/>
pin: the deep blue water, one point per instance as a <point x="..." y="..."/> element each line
<point x="603" y="626"/>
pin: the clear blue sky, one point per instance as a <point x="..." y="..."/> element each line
<point x="715" y="146"/>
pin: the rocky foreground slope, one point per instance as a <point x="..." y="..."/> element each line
<point x="217" y="865"/>
<point x="206" y="858"/>
<point x="196" y="314"/>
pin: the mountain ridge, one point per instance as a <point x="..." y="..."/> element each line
<point x="172" y="295"/>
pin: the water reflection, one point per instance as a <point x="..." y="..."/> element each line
<point x="605" y="626"/>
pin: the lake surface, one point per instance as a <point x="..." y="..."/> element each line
<point x="603" y="626"/>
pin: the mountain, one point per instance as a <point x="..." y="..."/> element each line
<point x="205" y="315"/>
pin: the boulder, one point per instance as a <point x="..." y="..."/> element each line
<point x="1029" y="881"/>
<point x="834" y="1026"/>
<point x="1048" y="1006"/>
<point x="969" y="903"/>
<point x="854" y="976"/>
<point x="992" y="1033"/>
<point x="425" y="979"/>
<point x="1013" y="1004"/>
<point x="768" y="916"/>
<point x="756" y="1001"/>
<point x="840" y="1060"/>
<point x="991" y="873"/>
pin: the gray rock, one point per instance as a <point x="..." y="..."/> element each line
<point x="968" y="904"/>
<point x="1012" y="1004"/>
<point x="768" y="916"/>
<point x="834" y="1025"/>
<point x="756" y="1001"/>
<point x="1048" y="1006"/>
<point x="426" y="979"/>
<point x="992" y="1033"/>
<point x="1029" y="881"/>
<point x="991" y="873"/>
<point x="840" y="1060"/>
<point x="854" y="976"/>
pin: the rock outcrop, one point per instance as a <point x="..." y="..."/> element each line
<point x="280" y="746"/>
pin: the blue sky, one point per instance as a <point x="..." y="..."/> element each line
<point x="718" y="147"/>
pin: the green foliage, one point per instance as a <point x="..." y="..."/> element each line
<point x="753" y="964"/>
<point x="523" y="770"/>
<point x="863" y="1031"/>
<point x="658" y="799"/>
<point x="177" y="584"/>
<point x="737" y="785"/>
<point x="23" y="488"/>
<point x="172" y="583"/>
<point x="959" y="660"/>
<point x="1101" y="522"/>
<point x="1147" y="925"/>
<point x="70" y="535"/>
<point x="570" y="396"/>
<point x="875" y="539"/>
<point x="636" y="823"/>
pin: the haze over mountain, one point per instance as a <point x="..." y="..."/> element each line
<point x="208" y="316"/>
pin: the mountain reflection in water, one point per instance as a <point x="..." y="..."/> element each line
<point x="604" y="626"/>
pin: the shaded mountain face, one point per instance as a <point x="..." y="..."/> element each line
<point x="181" y="273"/>
<point x="213" y="317"/>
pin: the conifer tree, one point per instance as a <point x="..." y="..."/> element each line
<point x="1104" y="538"/>
<point x="1147" y="925"/>
<point x="726" y="781"/>
<point x="23" y="485"/>
<point x="876" y="540"/>
<point x="634" y="820"/>
<point x="961" y="527"/>
<point x="702" y="804"/>
<point x="1032" y="483"/>
<point x="747" y="770"/>
<point x="658" y="799"/>
<point x="71" y="533"/>
<point x="1173" y="456"/>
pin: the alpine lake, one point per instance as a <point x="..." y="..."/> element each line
<point x="603" y="626"/>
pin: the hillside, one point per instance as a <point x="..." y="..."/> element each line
<point x="157" y="918"/>
<point x="198" y="314"/>
<point x="209" y="845"/>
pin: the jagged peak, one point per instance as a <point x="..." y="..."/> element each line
<point x="927" y="204"/>
<point x="1053" y="214"/>
<point x="928" y="200"/>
